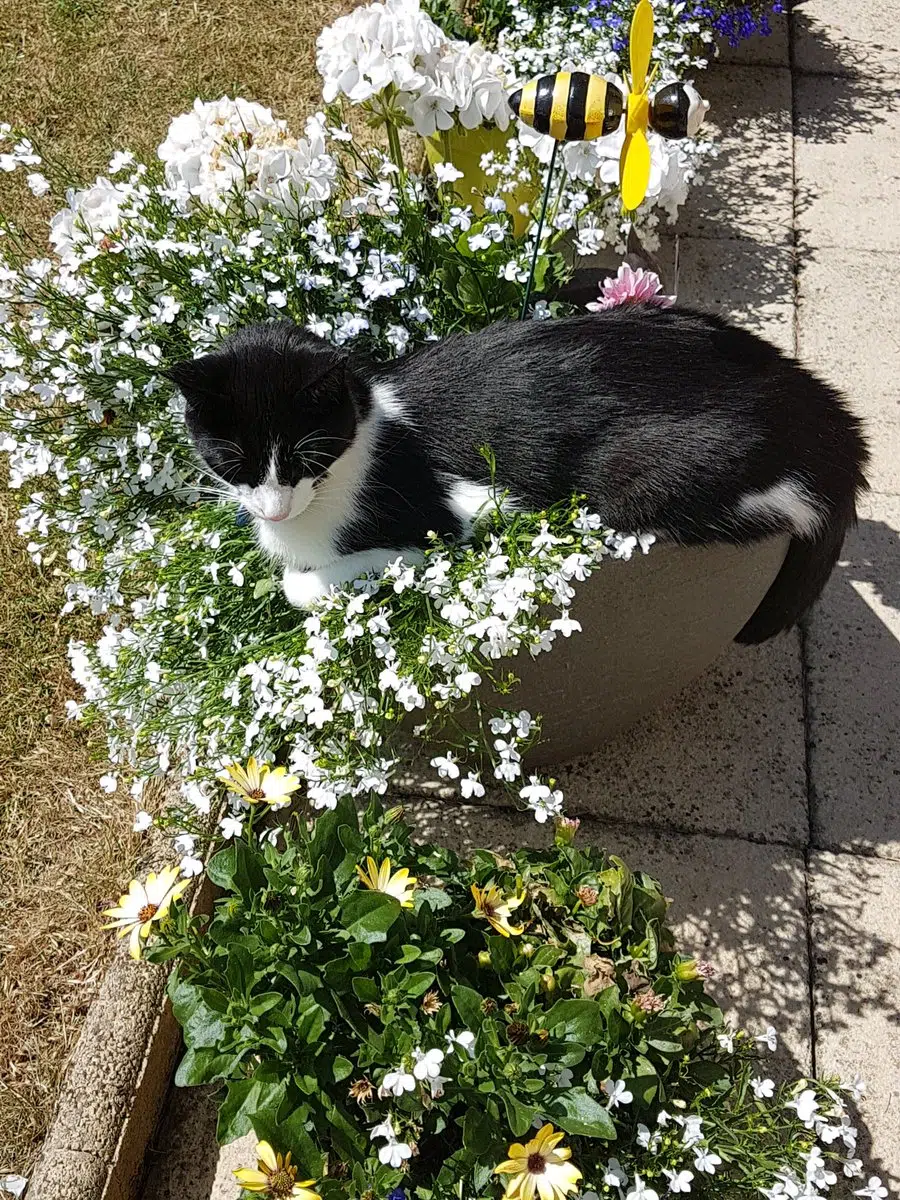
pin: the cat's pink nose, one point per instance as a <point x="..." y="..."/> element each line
<point x="282" y="517"/>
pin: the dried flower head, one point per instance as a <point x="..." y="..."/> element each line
<point x="649" y="1002"/>
<point x="362" y="1090"/>
<point x="588" y="895"/>
<point x="431" y="1003"/>
<point x="517" y="1033"/>
<point x="488" y="1006"/>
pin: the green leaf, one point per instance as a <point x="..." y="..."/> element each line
<point x="310" y="1022"/>
<point x="418" y="983"/>
<point x="199" y="1012"/>
<point x="237" y="868"/>
<point x="575" y="1021"/>
<point x="341" y="1067"/>
<point x="408" y="954"/>
<point x="360" y="955"/>
<point x="366" y="989"/>
<point x="205" y="1066"/>
<point x="477" y="1135"/>
<point x="367" y="916"/>
<point x="578" y="1113"/>
<point x="264" y="1002"/>
<point x="467" y="1003"/>
<point x="520" y="1116"/>
<point x="245" y="1103"/>
<point x="264" y="587"/>
<point x="286" y="1129"/>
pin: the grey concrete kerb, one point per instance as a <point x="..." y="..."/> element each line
<point x="115" y="1084"/>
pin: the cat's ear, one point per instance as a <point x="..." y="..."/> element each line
<point x="196" y="377"/>
<point x="324" y="364"/>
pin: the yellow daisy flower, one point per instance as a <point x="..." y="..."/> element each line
<point x="254" y="783"/>
<point x="400" y="885"/>
<point x="274" y="1176"/>
<point x="490" y="904"/>
<point x="144" y="904"/>
<point x="540" y="1165"/>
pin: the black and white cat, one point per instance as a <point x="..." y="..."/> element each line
<point x="669" y="421"/>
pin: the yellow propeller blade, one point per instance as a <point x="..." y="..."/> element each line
<point x="640" y="43"/>
<point x="635" y="169"/>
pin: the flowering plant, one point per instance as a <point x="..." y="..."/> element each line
<point x="410" y="1022"/>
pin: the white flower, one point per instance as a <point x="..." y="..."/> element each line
<point x="191" y="866"/>
<point x="763" y="1089"/>
<point x="142" y="821"/>
<point x="679" y="1181"/>
<point x="427" y="1063"/>
<point x="617" y="1092"/>
<point x="640" y="1191"/>
<point x="39" y="184"/>
<point x="464" y="1041"/>
<point x="185" y="843"/>
<point x="705" y="1160"/>
<point x="394" y="1154"/>
<point x="446" y="766"/>
<point x="874" y="1190"/>
<point x="541" y="799"/>
<point x="806" y="1106"/>
<point x="769" y="1038"/>
<point x="692" y="1130"/>
<point x="384" y="1130"/>
<point x="856" y="1088"/>
<point x="646" y="1139"/>
<point x="614" y="1176"/>
<point x="853" y="1168"/>
<point x="445" y="172"/>
<point x="471" y="786"/>
<point x="396" y="1082"/>
<point x="231" y="827"/>
<point x="726" y="1041"/>
<point x="109" y="783"/>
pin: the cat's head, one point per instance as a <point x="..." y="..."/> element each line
<point x="270" y="411"/>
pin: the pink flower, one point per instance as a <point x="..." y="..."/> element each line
<point x="631" y="286"/>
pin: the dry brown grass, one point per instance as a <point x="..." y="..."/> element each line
<point x="88" y="77"/>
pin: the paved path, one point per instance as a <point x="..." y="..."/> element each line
<point x="767" y="798"/>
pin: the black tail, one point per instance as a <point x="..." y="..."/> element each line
<point x="801" y="580"/>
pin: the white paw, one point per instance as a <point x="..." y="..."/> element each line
<point x="304" y="588"/>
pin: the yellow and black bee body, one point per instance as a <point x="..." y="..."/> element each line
<point x="677" y="111"/>
<point x="572" y="106"/>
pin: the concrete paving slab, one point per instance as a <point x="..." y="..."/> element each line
<point x="750" y="281"/>
<point x="853" y="671"/>
<point x="747" y="190"/>
<point x="847" y="149"/>
<point x="846" y="37"/>
<point x="727" y="757"/>
<point x="846" y="330"/>
<point x="856" y="940"/>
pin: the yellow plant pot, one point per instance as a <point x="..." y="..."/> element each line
<point x="464" y="148"/>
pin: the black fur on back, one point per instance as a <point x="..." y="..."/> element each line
<point x="664" y="419"/>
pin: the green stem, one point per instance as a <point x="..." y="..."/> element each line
<point x="393" y="137"/>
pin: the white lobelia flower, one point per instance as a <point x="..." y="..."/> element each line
<point x="231" y="827"/>
<point x="618" y="1093"/>
<point x="394" y="1154"/>
<point x="763" y="1089"/>
<point x="806" y="1106"/>
<point x="614" y="1176"/>
<point x="445" y="172"/>
<point x="679" y="1181"/>
<point x="706" y="1161"/>
<point x="691" y="1130"/>
<point x="874" y="1189"/>
<point x="856" y="1088"/>
<point x="471" y="786"/>
<point x="446" y="766"/>
<point x="427" y="1063"/>
<point x="640" y="1191"/>
<point x="142" y="821"/>
<point x="769" y="1038"/>
<point x="853" y="1168"/>
<point x="396" y="1082"/>
<point x="108" y="783"/>
<point x="646" y="1139"/>
<point x="464" y="1041"/>
<point x="384" y="1130"/>
<point x="726" y="1041"/>
<point x="191" y="866"/>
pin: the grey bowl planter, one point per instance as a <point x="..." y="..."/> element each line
<point x="649" y="627"/>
